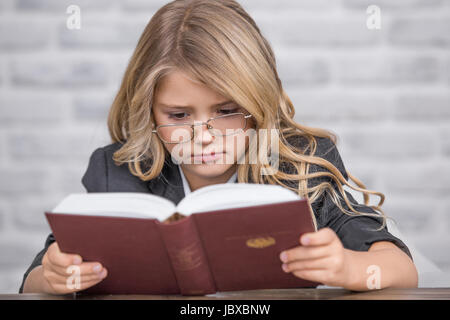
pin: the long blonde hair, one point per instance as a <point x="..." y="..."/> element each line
<point x="218" y="44"/>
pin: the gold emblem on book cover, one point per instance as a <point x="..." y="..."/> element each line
<point x="261" y="242"/>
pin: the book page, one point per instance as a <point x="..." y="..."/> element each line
<point x="117" y="204"/>
<point x="233" y="195"/>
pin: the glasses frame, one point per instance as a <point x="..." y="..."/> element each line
<point x="201" y="123"/>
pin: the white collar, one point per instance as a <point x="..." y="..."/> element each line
<point x="186" y="187"/>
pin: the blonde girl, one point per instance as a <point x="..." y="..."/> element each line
<point x="203" y="66"/>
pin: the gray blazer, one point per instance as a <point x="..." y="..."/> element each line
<point x="355" y="232"/>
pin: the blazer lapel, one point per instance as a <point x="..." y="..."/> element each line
<point x="168" y="184"/>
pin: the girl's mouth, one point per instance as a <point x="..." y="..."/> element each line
<point x="207" y="157"/>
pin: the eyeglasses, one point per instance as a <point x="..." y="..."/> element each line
<point x="218" y="126"/>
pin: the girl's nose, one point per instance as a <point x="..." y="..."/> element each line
<point x="202" y="134"/>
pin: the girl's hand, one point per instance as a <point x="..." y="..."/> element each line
<point x="320" y="258"/>
<point x="58" y="278"/>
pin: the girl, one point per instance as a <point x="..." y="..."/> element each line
<point x="202" y="68"/>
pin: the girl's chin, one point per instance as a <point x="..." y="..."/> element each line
<point x="208" y="169"/>
<point x="207" y="166"/>
<point x="222" y="161"/>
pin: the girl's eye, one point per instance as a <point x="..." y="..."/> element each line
<point x="228" y="111"/>
<point x="177" y="116"/>
<point x="183" y="115"/>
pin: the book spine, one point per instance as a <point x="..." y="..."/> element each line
<point x="188" y="257"/>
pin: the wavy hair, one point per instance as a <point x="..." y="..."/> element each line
<point x="218" y="44"/>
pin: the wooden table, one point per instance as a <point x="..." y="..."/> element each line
<point x="269" y="294"/>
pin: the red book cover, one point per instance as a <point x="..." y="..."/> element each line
<point x="203" y="253"/>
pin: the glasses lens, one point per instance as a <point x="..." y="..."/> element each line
<point x="175" y="134"/>
<point x="228" y="124"/>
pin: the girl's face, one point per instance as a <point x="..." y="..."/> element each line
<point x="180" y="100"/>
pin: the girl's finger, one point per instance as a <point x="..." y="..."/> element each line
<point x="305" y="253"/>
<point x="58" y="281"/>
<point x="54" y="278"/>
<point x="56" y="257"/>
<point x="316" y="275"/>
<point x="85" y="269"/>
<point x="318" y="264"/>
<point x="57" y="278"/>
<point x="90" y="277"/>
<point x="322" y="237"/>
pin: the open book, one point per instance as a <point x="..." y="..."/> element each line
<point x="218" y="238"/>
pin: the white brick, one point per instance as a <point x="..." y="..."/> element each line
<point x="248" y="5"/>
<point x="3" y="214"/>
<point x="58" y="148"/>
<point x="444" y="136"/>
<point x="302" y="72"/>
<point x="59" y="72"/>
<point x="423" y="107"/>
<point x="3" y="152"/>
<point x="397" y="4"/>
<point x="6" y="5"/>
<point x="69" y="180"/>
<point x="387" y="71"/>
<point x="29" y="213"/>
<point x="420" y="31"/>
<point x="19" y="181"/>
<point x="20" y="33"/>
<point x="31" y="109"/>
<point x="15" y="255"/>
<point x="446" y="215"/>
<point x="11" y="280"/>
<point x="414" y="217"/>
<point x="297" y="30"/>
<point x="117" y="66"/>
<point x="419" y="180"/>
<point x="61" y="5"/>
<point x="271" y="6"/>
<point x="102" y="34"/>
<point x="92" y="108"/>
<point x="437" y="251"/>
<point x="341" y="107"/>
<point x="391" y="144"/>
<point x="447" y="71"/>
<point x="142" y="5"/>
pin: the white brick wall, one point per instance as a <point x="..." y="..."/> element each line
<point x="385" y="93"/>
